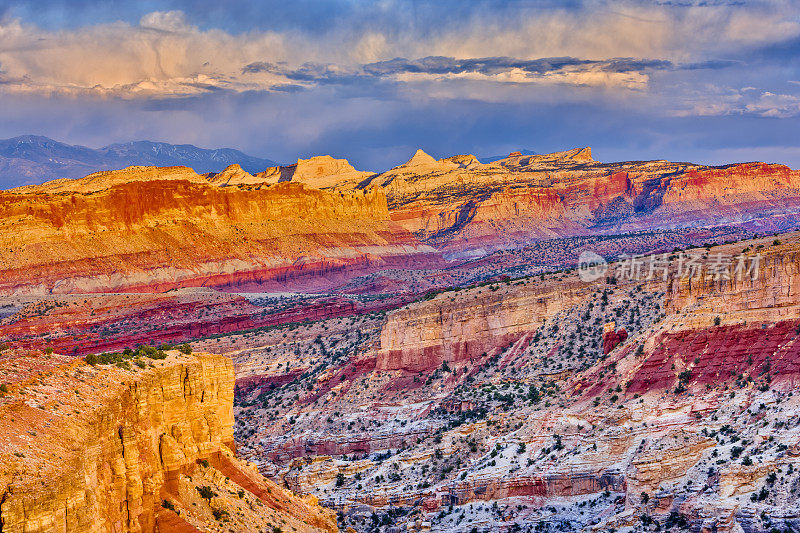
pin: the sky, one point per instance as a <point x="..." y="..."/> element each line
<point x="703" y="81"/>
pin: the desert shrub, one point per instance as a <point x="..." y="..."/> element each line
<point x="111" y="358"/>
<point x="206" y="492"/>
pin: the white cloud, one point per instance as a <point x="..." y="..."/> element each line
<point x="164" y="55"/>
<point x="746" y="101"/>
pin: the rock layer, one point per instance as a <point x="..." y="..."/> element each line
<point x="98" y="449"/>
<point x="163" y="228"/>
<point x="461" y="326"/>
<point x="462" y="206"/>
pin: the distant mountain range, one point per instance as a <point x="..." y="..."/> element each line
<point x="32" y="159"/>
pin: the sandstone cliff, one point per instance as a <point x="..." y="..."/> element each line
<point x="130" y="450"/>
<point x="136" y="231"/>
<point x="458" y="204"/>
<point x="465" y="325"/>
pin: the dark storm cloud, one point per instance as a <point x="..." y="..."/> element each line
<point x="496" y="65"/>
<point x="287" y="88"/>
<point x="260" y="66"/>
<point x="369" y="73"/>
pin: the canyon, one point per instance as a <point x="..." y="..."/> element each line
<point x="313" y="347"/>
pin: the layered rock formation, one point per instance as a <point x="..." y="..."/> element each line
<point x="139" y="449"/>
<point x="461" y="205"/>
<point x="93" y="323"/>
<point x="464" y="326"/>
<point x="147" y="228"/>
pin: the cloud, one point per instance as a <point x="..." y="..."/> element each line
<point x="628" y="72"/>
<point x="371" y="80"/>
<point x="747" y="101"/>
<point x="175" y="52"/>
<point x="169" y="21"/>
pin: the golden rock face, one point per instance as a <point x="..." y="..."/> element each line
<point x="460" y="326"/>
<point x="163" y="232"/>
<point x="458" y="204"/>
<point x="99" y="448"/>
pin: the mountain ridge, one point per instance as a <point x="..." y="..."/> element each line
<point x="34" y="159"/>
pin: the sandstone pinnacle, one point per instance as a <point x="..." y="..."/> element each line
<point x="420" y="158"/>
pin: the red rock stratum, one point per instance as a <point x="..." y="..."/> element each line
<point x="145" y="229"/>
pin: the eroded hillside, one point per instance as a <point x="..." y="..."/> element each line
<point x="543" y="404"/>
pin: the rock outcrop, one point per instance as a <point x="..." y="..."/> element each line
<point x="147" y="229"/>
<point x="464" y="326"/>
<point x="460" y="205"/>
<point x="232" y="175"/>
<point x="320" y="172"/>
<point x="136" y="449"/>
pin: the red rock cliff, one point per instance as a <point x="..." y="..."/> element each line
<point x="162" y="233"/>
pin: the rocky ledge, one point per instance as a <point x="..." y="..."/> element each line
<point x="141" y="445"/>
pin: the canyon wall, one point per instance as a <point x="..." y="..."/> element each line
<point x="154" y="229"/>
<point x="723" y="324"/>
<point x="766" y="285"/>
<point x="464" y="325"/>
<point x="100" y="448"/>
<point x="460" y="206"/>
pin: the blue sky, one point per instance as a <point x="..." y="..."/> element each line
<point x="706" y="81"/>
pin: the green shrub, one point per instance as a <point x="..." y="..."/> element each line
<point x="111" y="358"/>
<point x="206" y="492"/>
